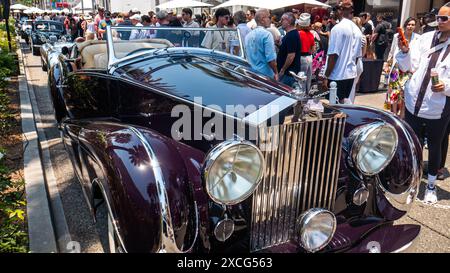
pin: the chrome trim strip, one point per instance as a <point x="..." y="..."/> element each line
<point x="319" y="182"/>
<point x="333" y="124"/>
<point x="310" y="202"/>
<point x="110" y="47"/>
<point x="325" y="181"/>
<point x="108" y="205"/>
<point x="260" y="116"/>
<point x="307" y="182"/>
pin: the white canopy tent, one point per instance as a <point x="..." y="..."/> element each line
<point x="270" y="4"/>
<point x="18" y="7"/>
<point x="183" y="4"/>
<point x="33" y="10"/>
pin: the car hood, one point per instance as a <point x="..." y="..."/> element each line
<point x="205" y="81"/>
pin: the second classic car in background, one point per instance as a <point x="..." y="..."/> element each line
<point x="41" y="33"/>
<point x="55" y="47"/>
<point x="329" y="180"/>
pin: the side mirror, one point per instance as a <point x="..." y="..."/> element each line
<point x="65" y="50"/>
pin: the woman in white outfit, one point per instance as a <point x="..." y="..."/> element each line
<point x="397" y="78"/>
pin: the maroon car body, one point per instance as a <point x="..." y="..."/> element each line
<point x="116" y="126"/>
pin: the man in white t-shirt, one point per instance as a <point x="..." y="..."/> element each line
<point x="344" y="51"/>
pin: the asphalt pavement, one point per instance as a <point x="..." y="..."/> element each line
<point x="435" y="220"/>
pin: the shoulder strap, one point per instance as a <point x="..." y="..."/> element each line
<point x="436" y="48"/>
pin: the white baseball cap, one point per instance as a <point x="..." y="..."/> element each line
<point x="135" y="10"/>
<point x="136" y="17"/>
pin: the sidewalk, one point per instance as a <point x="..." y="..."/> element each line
<point x="40" y="228"/>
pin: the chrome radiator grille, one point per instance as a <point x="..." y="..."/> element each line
<point x="302" y="163"/>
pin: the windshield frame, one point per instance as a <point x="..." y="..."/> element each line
<point x="47" y="24"/>
<point x="113" y="61"/>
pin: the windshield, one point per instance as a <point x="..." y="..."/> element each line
<point x="134" y="41"/>
<point x="49" y="26"/>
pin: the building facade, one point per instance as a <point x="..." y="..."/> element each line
<point x="418" y="8"/>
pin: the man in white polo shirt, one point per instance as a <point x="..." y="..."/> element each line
<point x="344" y="50"/>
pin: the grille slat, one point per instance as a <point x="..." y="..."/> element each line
<point x="324" y="179"/>
<point x="302" y="162"/>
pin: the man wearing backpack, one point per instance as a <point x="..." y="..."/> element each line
<point x="381" y="36"/>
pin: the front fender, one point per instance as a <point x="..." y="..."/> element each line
<point x="150" y="190"/>
<point x="397" y="185"/>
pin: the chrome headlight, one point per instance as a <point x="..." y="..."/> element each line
<point x="43" y="38"/>
<point x="232" y="171"/>
<point x="373" y="147"/>
<point x="316" y="229"/>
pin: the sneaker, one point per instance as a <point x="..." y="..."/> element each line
<point x="430" y="196"/>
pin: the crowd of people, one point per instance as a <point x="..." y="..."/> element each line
<point x="324" y="49"/>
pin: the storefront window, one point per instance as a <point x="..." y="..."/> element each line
<point x="390" y="9"/>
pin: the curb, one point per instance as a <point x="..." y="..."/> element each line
<point x="40" y="228"/>
<point x="62" y="233"/>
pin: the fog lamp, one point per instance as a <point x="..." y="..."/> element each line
<point x="316" y="229"/>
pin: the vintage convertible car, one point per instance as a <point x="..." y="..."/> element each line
<point x="41" y="33"/>
<point x="192" y="151"/>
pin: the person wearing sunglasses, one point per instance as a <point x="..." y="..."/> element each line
<point x="219" y="40"/>
<point x="427" y="94"/>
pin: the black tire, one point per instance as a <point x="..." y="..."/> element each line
<point x="44" y="65"/>
<point x="35" y="51"/>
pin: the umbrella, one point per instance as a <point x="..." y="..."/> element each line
<point x="19" y="7"/>
<point x="183" y="4"/>
<point x="33" y="10"/>
<point x="270" y="4"/>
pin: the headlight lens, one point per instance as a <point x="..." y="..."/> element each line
<point x="316" y="227"/>
<point x="232" y="171"/>
<point x="43" y="38"/>
<point x="374" y="147"/>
